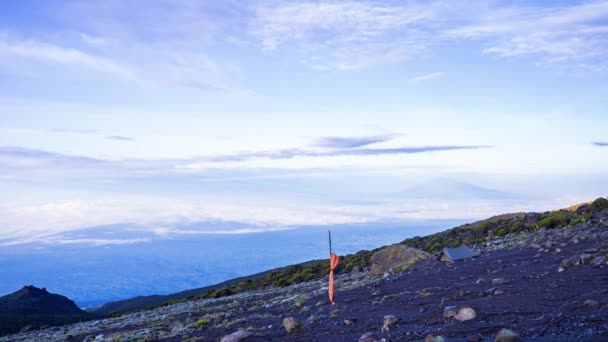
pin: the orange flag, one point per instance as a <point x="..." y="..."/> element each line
<point x="333" y="263"/>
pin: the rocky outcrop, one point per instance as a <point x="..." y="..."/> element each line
<point x="32" y="308"/>
<point x="393" y="256"/>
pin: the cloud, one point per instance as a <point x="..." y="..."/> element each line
<point x="202" y="86"/>
<point x="292" y="153"/>
<point x="119" y="138"/>
<point x="428" y="77"/>
<point x="354" y="35"/>
<point x="600" y="143"/>
<point x="72" y="130"/>
<point x="351" y="142"/>
<point x="346" y="35"/>
<point x="570" y="34"/>
<point x="26" y="163"/>
<point x="46" y="52"/>
<point x="18" y="158"/>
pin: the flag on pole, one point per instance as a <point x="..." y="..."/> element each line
<point x="333" y="263"/>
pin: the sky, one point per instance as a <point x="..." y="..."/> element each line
<point x="279" y="113"/>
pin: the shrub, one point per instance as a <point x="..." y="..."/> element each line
<point x="599" y="204"/>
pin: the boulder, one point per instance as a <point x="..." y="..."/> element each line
<point x="291" y="324"/>
<point x="236" y="336"/>
<point x="395" y="255"/>
<point x="431" y="338"/>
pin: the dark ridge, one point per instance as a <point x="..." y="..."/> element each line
<point x="37" y="308"/>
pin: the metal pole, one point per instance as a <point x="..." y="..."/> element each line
<point x="329" y="241"/>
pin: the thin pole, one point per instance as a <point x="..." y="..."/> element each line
<point x="329" y="241"/>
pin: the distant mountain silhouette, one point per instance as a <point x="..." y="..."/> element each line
<point x="37" y="308"/>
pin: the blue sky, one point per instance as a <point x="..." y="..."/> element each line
<point x="290" y="112"/>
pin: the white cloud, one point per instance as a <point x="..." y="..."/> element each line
<point x="354" y="34"/>
<point x="45" y="52"/>
<point x="359" y="34"/>
<point x="428" y="77"/>
<point x="571" y="34"/>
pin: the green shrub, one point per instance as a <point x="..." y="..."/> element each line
<point x="599" y="204"/>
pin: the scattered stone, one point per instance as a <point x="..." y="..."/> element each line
<point x="586" y="258"/>
<point x="25" y="329"/>
<point x="236" y="336"/>
<point x="498" y="292"/>
<point x="499" y="281"/>
<point x="474" y="338"/>
<point x="431" y="338"/>
<point x="569" y="262"/>
<point x="507" y="335"/>
<point x="591" y="304"/>
<point x="465" y="314"/>
<point x="388" y="321"/>
<point x="356" y="270"/>
<point x="291" y="324"/>
<point x="480" y="280"/>
<point x="349" y="321"/>
<point x="450" y="311"/>
<point x="534" y="245"/>
<point x="313" y="319"/>
<point x="597" y="261"/>
<point x="369" y="337"/>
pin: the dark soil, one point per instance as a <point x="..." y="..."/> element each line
<point x="537" y="302"/>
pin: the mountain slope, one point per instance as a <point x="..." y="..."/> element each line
<point x="31" y="306"/>
<point x="477" y="233"/>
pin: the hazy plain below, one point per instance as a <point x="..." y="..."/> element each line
<point x="96" y="265"/>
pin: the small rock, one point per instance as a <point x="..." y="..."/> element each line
<point x="597" y="261"/>
<point x="349" y="321"/>
<point x="450" y="311"/>
<point x="388" y="321"/>
<point x="465" y="314"/>
<point x="591" y="304"/>
<point x="236" y="336"/>
<point x="586" y="258"/>
<point x="498" y="292"/>
<point x="499" y="281"/>
<point x="474" y="338"/>
<point x="25" y="329"/>
<point x="291" y="324"/>
<point x="369" y="337"/>
<point x="313" y="319"/>
<point x="507" y="335"/>
<point x="431" y="338"/>
<point x="534" y="246"/>
<point x="357" y="269"/>
<point x="99" y="337"/>
<point x="480" y="280"/>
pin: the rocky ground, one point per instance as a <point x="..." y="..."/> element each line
<point x="547" y="286"/>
